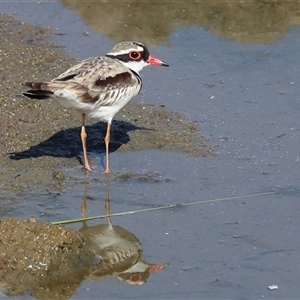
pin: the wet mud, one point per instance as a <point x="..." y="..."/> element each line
<point x="34" y="254"/>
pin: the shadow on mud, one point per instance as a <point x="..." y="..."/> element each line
<point x="67" y="143"/>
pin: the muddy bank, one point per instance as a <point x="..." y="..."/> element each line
<point x="33" y="255"/>
<point x="40" y="137"/>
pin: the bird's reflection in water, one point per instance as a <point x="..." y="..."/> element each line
<point x="118" y="252"/>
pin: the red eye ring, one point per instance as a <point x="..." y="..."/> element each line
<point x="135" y="55"/>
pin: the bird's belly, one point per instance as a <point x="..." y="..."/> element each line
<point x="107" y="112"/>
<point x="74" y="103"/>
<point x="103" y="110"/>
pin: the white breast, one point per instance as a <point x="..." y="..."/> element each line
<point x="105" y="108"/>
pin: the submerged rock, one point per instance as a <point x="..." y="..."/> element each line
<point x="34" y="252"/>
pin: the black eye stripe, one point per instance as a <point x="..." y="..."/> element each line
<point x="126" y="57"/>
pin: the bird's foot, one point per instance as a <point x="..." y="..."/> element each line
<point x="88" y="168"/>
<point x="106" y="171"/>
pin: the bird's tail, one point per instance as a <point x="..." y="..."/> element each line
<point x="37" y="91"/>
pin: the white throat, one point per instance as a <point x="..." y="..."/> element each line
<point x="135" y="65"/>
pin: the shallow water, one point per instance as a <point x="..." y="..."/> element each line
<point x="235" y="72"/>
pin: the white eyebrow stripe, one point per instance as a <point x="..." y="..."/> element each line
<point x="138" y="48"/>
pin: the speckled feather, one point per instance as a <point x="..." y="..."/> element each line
<point x="95" y="76"/>
<point x="93" y="83"/>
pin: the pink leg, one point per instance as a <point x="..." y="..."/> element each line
<point x="107" y="140"/>
<point x="83" y="136"/>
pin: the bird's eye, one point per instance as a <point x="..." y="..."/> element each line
<point x="135" y="55"/>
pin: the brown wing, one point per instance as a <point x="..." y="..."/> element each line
<point x="98" y="79"/>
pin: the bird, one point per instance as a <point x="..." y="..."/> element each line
<point x="98" y="87"/>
